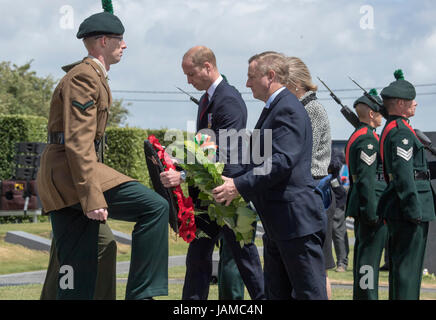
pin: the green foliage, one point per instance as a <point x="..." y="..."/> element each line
<point x="18" y="128"/>
<point x="125" y="152"/>
<point x="205" y="174"/>
<point x="118" y="113"/>
<point x="13" y="129"/>
<point x="23" y="92"/>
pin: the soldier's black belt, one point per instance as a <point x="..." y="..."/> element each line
<point x="422" y="175"/>
<point x="380" y="177"/>
<point x="418" y="175"/>
<point x="58" y="138"/>
<point x="55" y="138"/>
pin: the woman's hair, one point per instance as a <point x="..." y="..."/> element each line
<point x="299" y="74"/>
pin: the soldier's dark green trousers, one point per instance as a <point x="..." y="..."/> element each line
<point x="230" y="283"/>
<point x="105" y="287"/>
<point x="407" y="242"/>
<point x="368" y="248"/>
<point x="76" y="238"/>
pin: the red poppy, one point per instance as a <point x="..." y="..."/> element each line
<point x="187" y="227"/>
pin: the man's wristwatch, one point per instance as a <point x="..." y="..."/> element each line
<point x="183" y="175"/>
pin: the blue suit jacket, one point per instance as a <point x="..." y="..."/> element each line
<point x="226" y="110"/>
<point x="284" y="197"/>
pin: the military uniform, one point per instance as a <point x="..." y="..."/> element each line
<point x="71" y="183"/>
<point x="366" y="186"/>
<point x="105" y="286"/>
<point x="407" y="202"/>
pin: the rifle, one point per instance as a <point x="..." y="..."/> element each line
<point x="371" y="98"/>
<point x="419" y="134"/>
<point x="425" y="141"/>
<point x="190" y="97"/>
<point x="347" y="112"/>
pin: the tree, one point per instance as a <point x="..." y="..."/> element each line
<point x="23" y="92"/>
<point x="118" y="113"/>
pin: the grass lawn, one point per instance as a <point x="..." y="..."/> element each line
<point x="16" y="258"/>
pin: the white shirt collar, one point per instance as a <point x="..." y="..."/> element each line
<point x="212" y="88"/>
<point x="273" y="96"/>
<point x="99" y="64"/>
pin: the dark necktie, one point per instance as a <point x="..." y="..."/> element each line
<point x="261" y="118"/>
<point x="204" y="104"/>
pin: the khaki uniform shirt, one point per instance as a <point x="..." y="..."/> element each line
<point x="70" y="173"/>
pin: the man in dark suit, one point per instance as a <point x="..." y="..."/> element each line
<point x="282" y="188"/>
<point x="221" y="107"/>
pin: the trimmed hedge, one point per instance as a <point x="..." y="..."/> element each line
<point x="18" y="128"/>
<point x="13" y="129"/>
<point x="124" y="151"/>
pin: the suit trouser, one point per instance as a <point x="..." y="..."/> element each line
<point x="368" y="248"/>
<point x="199" y="262"/>
<point x="295" y="268"/>
<point x="407" y="243"/>
<point x="105" y="287"/>
<point x="76" y="238"/>
<point x="340" y="237"/>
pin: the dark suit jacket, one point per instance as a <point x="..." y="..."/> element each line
<point x="284" y="197"/>
<point x="226" y="110"/>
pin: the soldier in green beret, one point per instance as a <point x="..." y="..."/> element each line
<point x="80" y="193"/>
<point x="366" y="185"/>
<point x="407" y="202"/>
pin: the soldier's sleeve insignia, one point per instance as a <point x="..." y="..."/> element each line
<point x="369" y="160"/>
<point x="83" y="107"/>
<point x="370" y="146"/>
<point x="405" y="141"/>
<point x="405" y="154"/>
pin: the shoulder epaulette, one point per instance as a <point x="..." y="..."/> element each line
<point x="354" y="136"/>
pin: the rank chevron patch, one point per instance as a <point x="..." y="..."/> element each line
<point x="406" y="155"/>
<point x="369" y="160"/>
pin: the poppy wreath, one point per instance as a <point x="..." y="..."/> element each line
<point x="187" y="227"/>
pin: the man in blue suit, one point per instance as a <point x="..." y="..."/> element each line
<point x="221" y="107"/>
<point x="282" y="188"/>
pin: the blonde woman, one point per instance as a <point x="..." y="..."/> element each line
<point x="300" y="83"/>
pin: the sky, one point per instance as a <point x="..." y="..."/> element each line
<point x="367" y="40"/>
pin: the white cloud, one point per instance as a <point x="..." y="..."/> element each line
<point x="325" y="34"/>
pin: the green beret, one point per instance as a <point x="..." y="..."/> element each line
<point x="100" y="23"/>
<point x="400" y="89"/>
<point x="365" y="100"/>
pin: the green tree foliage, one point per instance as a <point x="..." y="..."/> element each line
<point x="118" y="113"/>
<point x="23" y="92"/>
